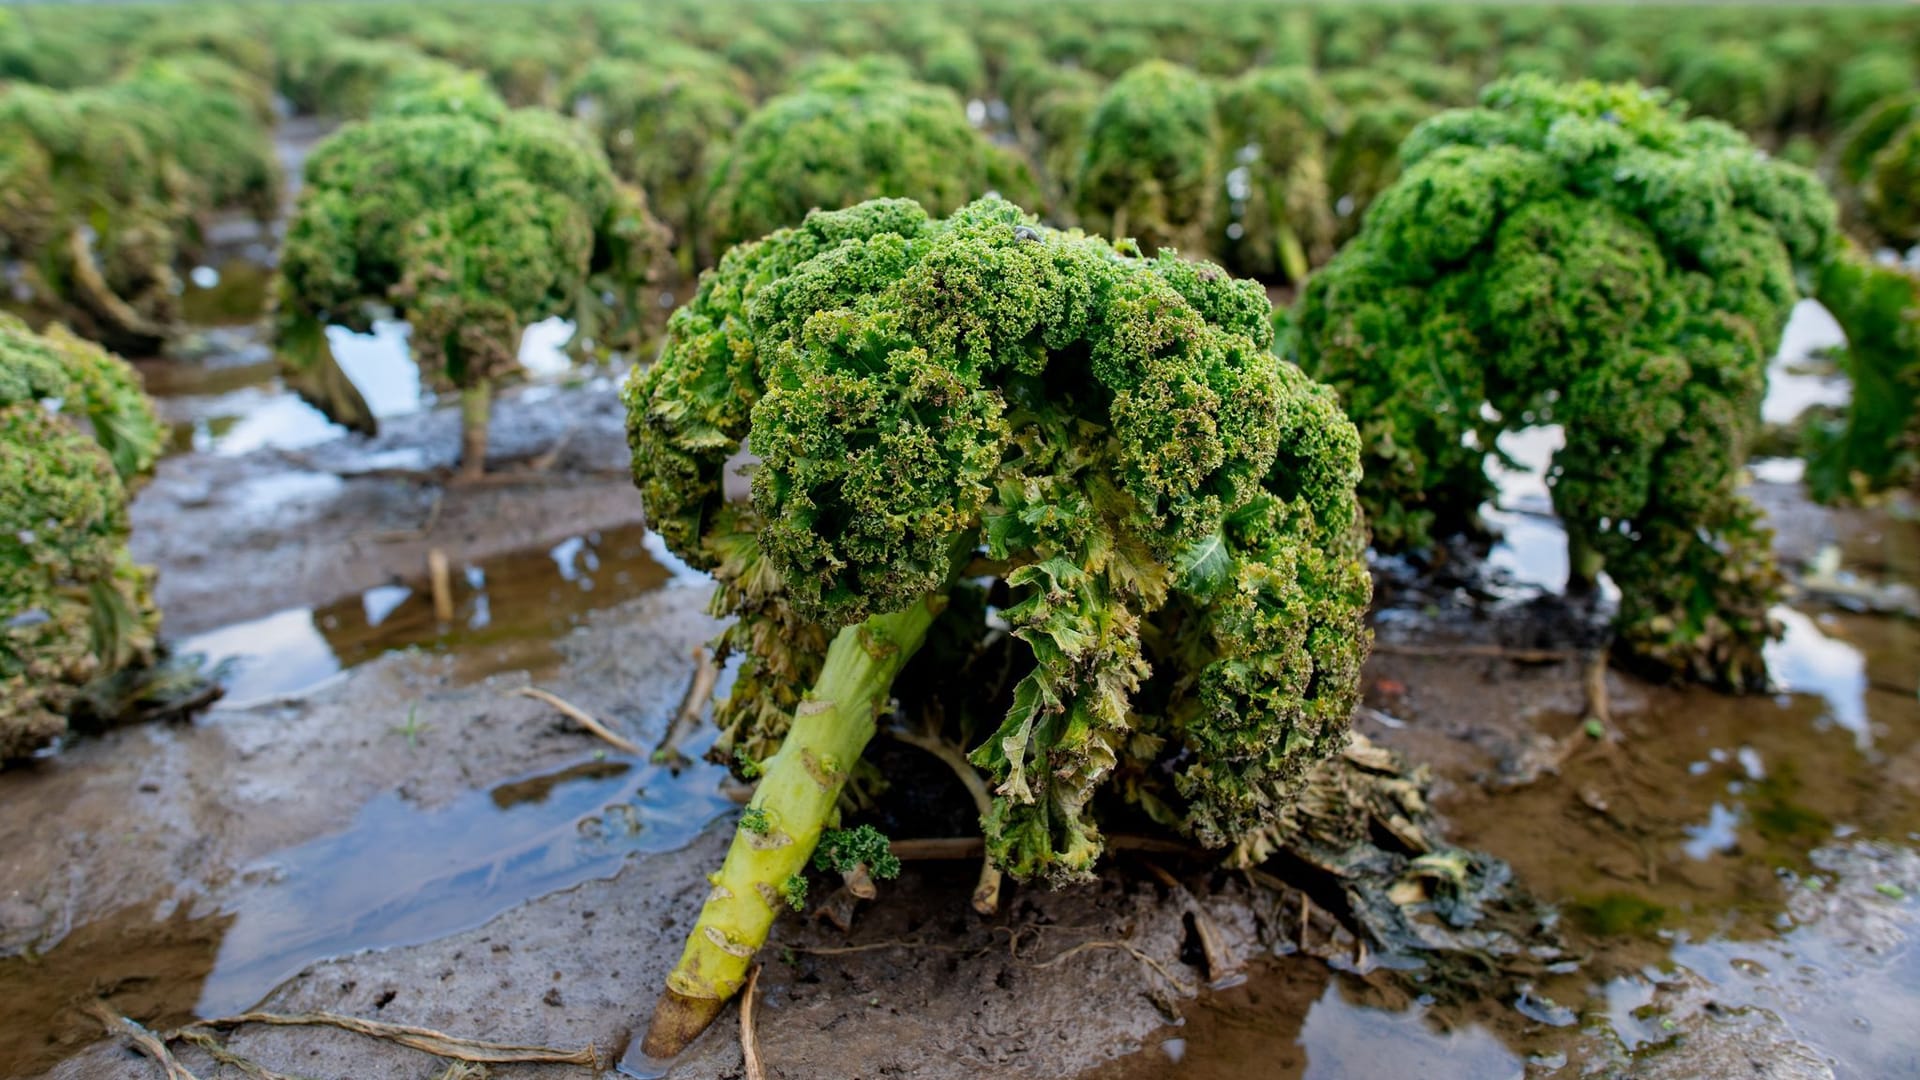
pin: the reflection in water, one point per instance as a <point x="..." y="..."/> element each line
<point x="1716" y="837"/>
<point x="1344" y="1040"/>
<point x="381" y="366"/>
<point x="234" y="409"/>
<point x="402" y="875"/>
<point x="278" y="654"/>
<point x="1810" y="331"/>
<point x="380" y="602"/>
<point x="1807" y="661"/>
<point x="1532" y="548"/>
<point x="507" y="612"/>
<point x="247" y="419"/>
<point x="1857" y="1004"/>
<point x="142" y="964"/>
<point x="231" y="294"/>
<point x="1777" y="470"/>
<point x="543" y="348"/>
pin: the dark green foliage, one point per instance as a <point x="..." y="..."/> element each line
<point x="468" y="219"/>
<point x="104" y="190"/>
<point x="1586" y="256"/>
<point x="234" y="39"/>
<point x="794" y="892"/>
<point x="666" y="128"/>
<point x="1278" y="215"/>
<point x="57" y="49"/>
<point x="1169" y="505"/>
<point x="1867" y="80"/>
<point x="1733" y="81"/>
<point x="1365" y="156"/>
<point x="1876" y="444"/>
<point x="1890" y="193"/>
<point x="852" y="132"/>
<point x="1057" y="135"/>
<point x="76" y="435"/>
<point x="1150" y="167"/>
<point x="330" y="75"/>
<point x="755" y="820"/>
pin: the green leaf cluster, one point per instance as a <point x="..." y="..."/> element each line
<point x="1150" y="167"/>
<point x="104" y="189"/>
<point x="1880" y="155"/>
<point x="1278" y="217"/>
<point x="666" y="127"/>
<point x="1587" y="256"/>
<point x="468" y="219"/>
<point x="1168" y="507"/>
<point x="1875" y="443"/>
<point x="76" y="435"/>
<point x="851" y="132"/>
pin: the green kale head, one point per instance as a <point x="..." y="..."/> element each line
<point x="1581" y="255"/>
<point x="850" y="132"/>
<point x="1150" y="166"/>
<point x="468" y="219"/>
<point x="1162" y="510"/>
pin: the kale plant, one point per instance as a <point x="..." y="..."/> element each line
<point x="1585" y="256"/>
<point x="949" y="409"/>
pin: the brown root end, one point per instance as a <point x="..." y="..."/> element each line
<point x="677" y="1021"/>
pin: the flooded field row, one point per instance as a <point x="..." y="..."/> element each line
<point x="1734" y="878"/>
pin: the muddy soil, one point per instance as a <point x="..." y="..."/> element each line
<point x="241" y="536"/>
<point x="190" y="836"/>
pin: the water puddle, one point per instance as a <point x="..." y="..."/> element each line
<point x="1806" y="660"/>
<point x="1855" y="1005"/>
<point x="396" y="872"/>
<point x="233" y="402"/>
<point x="232" y="293"/>
<point x="399" y="874"/>
<point x="1798" y="378"/>
<point x="1302" y="1021"/>
<point x="1717" y="870"/>
<point x="172" y="955"/>
<point x="508" y="612"/>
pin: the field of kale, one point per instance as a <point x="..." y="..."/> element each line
<point x="867" y="538"/>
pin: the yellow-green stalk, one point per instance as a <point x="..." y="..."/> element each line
<point x="798" y="791"/>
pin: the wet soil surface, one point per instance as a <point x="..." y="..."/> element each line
<point x="251" y="525"/>
<point x="372" y="824"/>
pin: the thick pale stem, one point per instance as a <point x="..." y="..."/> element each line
<point x="798" y="790"/>
<point x="476" y="408"/>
